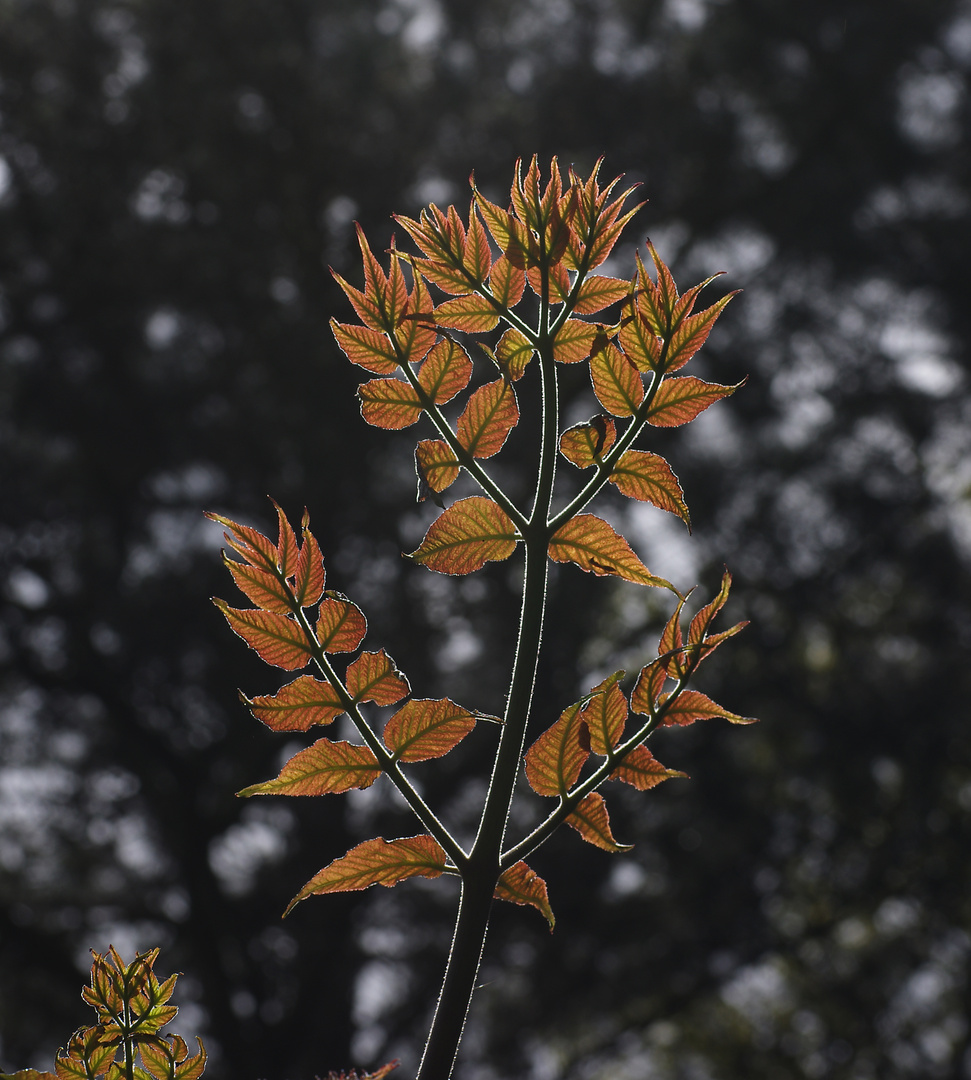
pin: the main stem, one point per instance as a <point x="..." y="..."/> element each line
<point x="482" y="870"/>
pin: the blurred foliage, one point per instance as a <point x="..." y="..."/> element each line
<point x="174" y="181"/>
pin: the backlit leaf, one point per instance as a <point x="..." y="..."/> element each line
<point x="489" y="416"/>
<point x="574" y="341"/>
<point x="513" y="353"/>
<point x="373" y="677"/>
<point x="680" y="400"/>
<point x="640" y="344"/>
<point x="478" y="255"/>
<point x="648" y="688"/>
<point x="615" y="380"/>
<point x="341" y="625"/>
<point x="692" y="333"/>
<point x="448" y="278"/>
<point x="326" y="768"/>
<point x="191" y="1068"/>
<point x="598" y="292"/>
<point x="649" y="478"/>
<point x="308" y="580"/>
<point x="507" y="282"/>
<point x="642" y="770"/>
<point x="670" y="646"/>
<point x="555" y="759"/>
<point x="595" y="547"/>
<point x="469" y="534"/>
<point x="425" y="728"/>
<point x="369" y="349"/>
<point x="366" y="306"/>
<point x="445" y="372"/>
<point x="263" y="588"/>
<point x="704" y="618"/>
<point x="377" y="862"/>
<point x="389" y="403"/>
<point x="557" y="281"/>
<point x="255" y="548"/>
<point x="520" y="885"/>
<point x="692" y="705"/>
<point x="591" y="821"/>
<point x="436" y="465"/>
<point x="472" y="313"/>
<point x="416" y="332"/>
<point x="585" y="444"/>
<point x="297" y="706"/>
<point x="279" y="641"/>
<point x="605" y="714"/>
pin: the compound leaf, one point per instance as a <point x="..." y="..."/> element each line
<point x="469" y="534"/>
<point x="426" y="728"/>
<point x="591" y="821"/>
<point x="649" y="478"/>
<point x="341" y="625"/>
<point x="377" y="862"/>
<point x="678" y="401"/>
<point x="555" y="759"/>
<point x="278" y="640"/>
<point x="642" y="770"/>
<point x="520" y="885"/>
<point x="298" y="706"/>
<point x="389" y="403"/>
<point x="594" y="546"/>
<point x="326" y="768"/>
<point x="489" y="416"/>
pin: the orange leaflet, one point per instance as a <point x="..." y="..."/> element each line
<point x="595" y="547"/>
<point x="647" y="689"/>
<point x="425" y="729"/>
<point x="692" y="333"/>
<point x="698" y="629"/>
<point x="680" y="400"/>
<point x="605" y="714"/>
<point x="591" y="821"/>
<point x="649" y="478"/>
<point x="250" y="543"/>
<point x="326" y="768"/>
<point x="264" y="589"/>
<point x="558" y="282"/>
<point x="658" y="301"/>
<point x="389" y="403"/>
<point x="298" y="706"/>
<point x="436" y="465"/>
<point x="598" y="292"/>
<point x="615" y="380"/>
<point x="670" y="646"/>
<point x="583" y="445"/>
<point x="574" y="341"/>
<point x="554" y="761"/>
<point x="369" y="349"/>
<point x="477" y="257"/>
<point x="489" y="416"/>
<point x="507" y="282"/>
<point x="639" y="342"/>
<point x="308" y="579"/>
<point x="692" y="705"/>
<point x="373" y="677"/>
<point x="341" y="625"/>
<point x="642" y="770"/>
<point x="513" y="353"/>
<point x="279" y="641"/>
<point x="287" y="543"/>
<point x="469" y="534"/>
<point x="445" y="372"/>
<point x="472" y="313"/>
<point x="377" y="862"/>
<point x="520" y="885"/>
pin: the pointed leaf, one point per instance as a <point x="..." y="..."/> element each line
<point x="555" y="759"/>
<point x="341" y="625"/>
<point x="373" y="677"/>
<point x="365" y="306"/>
<point x="416" y="332"/>
<point x="489" y="416"/>
<point x="574" y="340"/>
<point x="692" y="333"/>
<point x="513" y="353"/>
<point x="692" y="705"/>
<point x="648" y="688"/>
<point x="670" y="647"/>
<point x="507" y="282"/>
<point x="436" y="465"/>
<point x="255" y="548"/>
<point x="369" y="349"/>
<point x="445" y="372"/>
<point x="469" y="534"/>
<point x="605" y="715"/>
<point x="424" y="728"/>
<point x="557" y="280"/>
<point x="615" y="380"/>
<point x="472" y="313"/>
<point x="297" y="706"/>
<point x="598" y="292"/>
<point x="700" y="624"/>
<point x="649" y="478"/>
<point x="591" y="821"/>
<point x="263" y="588"/>
<point x="680" y="400"/>
<point x="640" y="343"/>
<point x="477" y="258"/>
<point x="448" y="278"/>
<point x="595" y="547"/>
<point x="191" y="1068"/>
<point x="377" y="862"/>
<point x="308" y="583"/>
<point x="642" y="770"/>
<point x="520" y="885"/>
<point x="326" y="768"/>
<point x="279" y="641"/>
<point x="389" y="403"/>
<point x="585" y="444"/>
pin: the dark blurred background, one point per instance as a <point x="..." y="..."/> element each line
<point x="175" y="179"/>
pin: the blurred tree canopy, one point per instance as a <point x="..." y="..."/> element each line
<point x="175" y="180"/>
